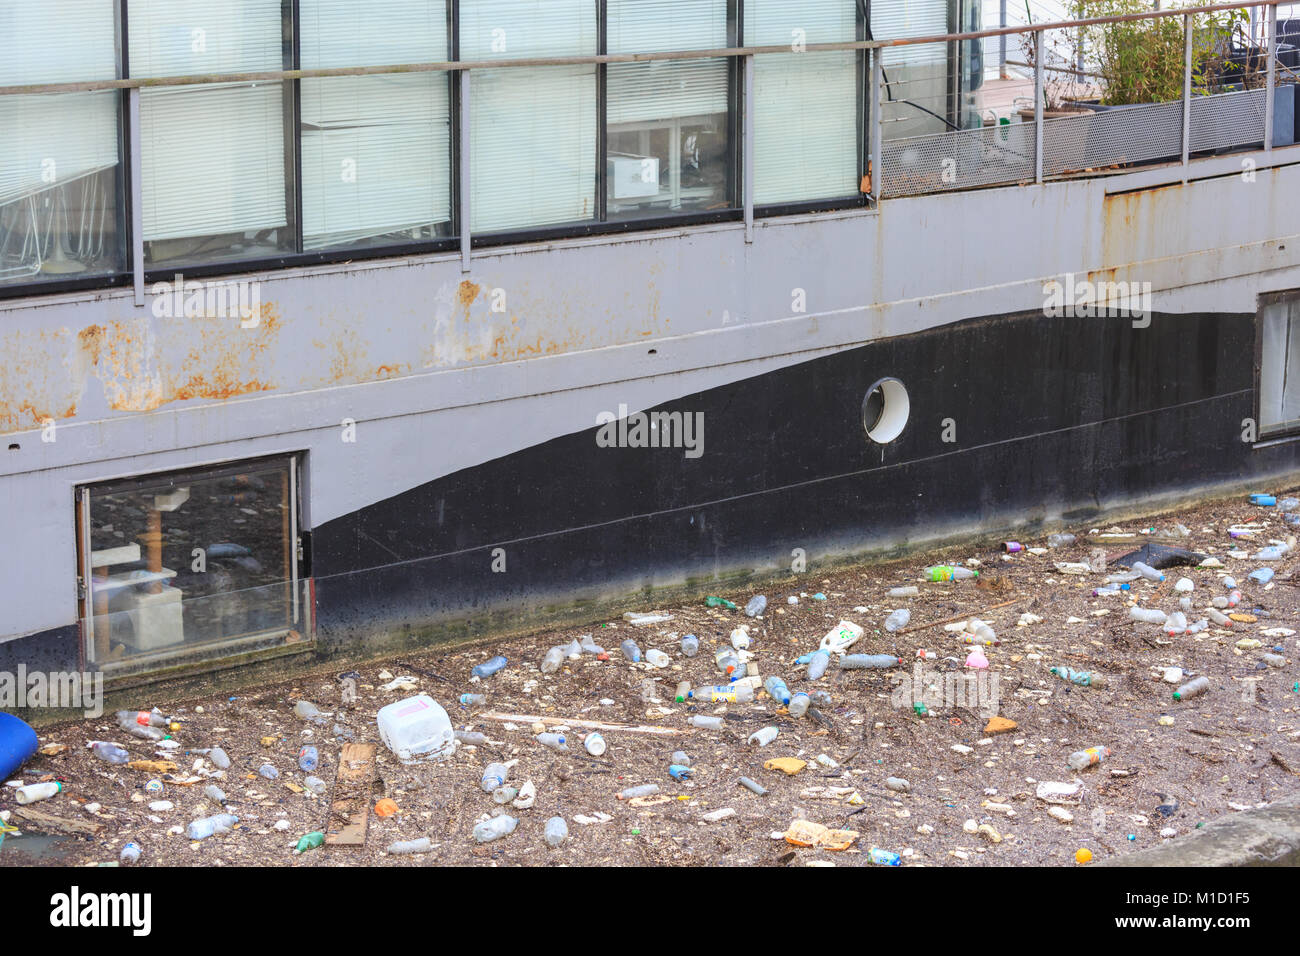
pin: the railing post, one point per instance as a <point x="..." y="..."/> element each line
<point x="1002" y="41"/>
<point x="1272" y="77"/>
<point x="137" y="194"/>
<point x="1038" y="106"/>
<point x="1187" y="91"/>
<point x="747" y="149"/>
<point x="877" y="123"/>
<point x="463" y="171"/>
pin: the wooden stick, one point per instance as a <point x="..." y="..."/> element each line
<point x="57" y="824"/>
<point x="958" y="617"/>
<point x="594" y="724"/>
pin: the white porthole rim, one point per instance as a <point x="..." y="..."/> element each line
<point x="895" y="410"/>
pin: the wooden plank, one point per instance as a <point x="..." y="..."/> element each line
<point x="47" y="822"/>
<point x="350" y="804"/>
<point x="593" y="724"/>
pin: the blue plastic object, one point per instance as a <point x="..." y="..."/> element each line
<point x="17" y="744"/>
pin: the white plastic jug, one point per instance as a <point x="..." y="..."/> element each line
<point x="416" y="729"/>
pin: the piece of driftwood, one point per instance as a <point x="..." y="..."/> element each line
<point x="45" y="821"/>
<point x="594" y="724"/>
<point x="350" y="803"/>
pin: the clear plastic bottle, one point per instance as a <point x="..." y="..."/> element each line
<point x="756" y="606"/>
<point x="1218" y="617"/>
<point x="821" y="698"/>
<point x="552" y="661"/>
<point x="1176" y="623"/>
<point x="408" y="847"/>
<point x="557" y="831"/>
<point x="205" y="827"/>
<point x="470" y="737"/>
<point x="1147" y="615"/>
<point x="215" y="794"/>
<point x="656" y="658"/>
<point x="494" y="775"/>
<point x="109" y="753"/>
<point x="644" y="790"/>
<point x="868" y="661"/>
<point x="572" y="650"/>
<point x="910" y="591"/>
<point x="490" y="667"/>
<point x="683" y="691"/>
<point x="723" y="694"/>
<point x="948" y="572"/>
<point x="1193" y="688"/>
<point x="763" y="737"/>
<point x="218" y="757"/>
<point x="818" y="664"/>
<point x="777" y="690"/>
<point x="553" y="741"/>
<point x="308" y="759"/>
<point x="799" y="704"/>
<point x="267" y="771"/>
<point x="591" y="647"/>
<point x="706" y="722"/>
<point x="727" y="661"/>
<point x="144" y="733"/>
<point x="316" y="785"/>
<point x="495" y="829"/>
<point x="1086" y="758"/>
<point x="142" y="718"/>
<point x="690" y="645"/>
<point x="897" y="620"/>
<point x="753" y="786"/>
<point x="1060" y="540"/>
<point x="681" y="757"/>
<point x="473" y="700"/>
<point x="1082" y="678"/>
<point x="630" y="650"/>
<point x="306" y="710"/>
<point x="1148" y="572"/>
<point x="130" y="854"/>
<point x="503" y="795"/>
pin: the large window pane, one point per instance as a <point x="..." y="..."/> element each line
<point x="178" y="561"/>
<point x="806" y="130"/>
<point x="376" y="160"/>
<point x="59" y="154"/>
<point x="216" y="170"/>
<point x="667" y="121"/>
<point x="1279" y="372"/>
<point x="916" y="77"/>
<point x="532" y="130"/>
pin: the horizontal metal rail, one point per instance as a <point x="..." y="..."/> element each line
<point x="92" y="86"/>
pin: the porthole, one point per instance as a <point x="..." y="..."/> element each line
<point x="884" y="410"/>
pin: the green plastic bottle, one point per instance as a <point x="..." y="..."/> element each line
<point x="712" y="601"/>
<point x="310" y="842"/>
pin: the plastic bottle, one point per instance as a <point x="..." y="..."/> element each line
<point x="144" y="733"/>
<point x="471" y="700"/>
<point x="910" y="591"/>
<point x="310" y="841"/>
<point x="554" y="741"/>
<point x="681" y="757"/>
<point x="316" y="785"/>
<point x="645" y="790"/>
<point x="591" y="647"/>
<point x="740" y="637"/>
<point x="799" y="704"/>
<point x="690" y="645"/>
<point x="897" y="620"/>
<point x="817" y="666"/>
<point x="864" y="661"/>
<point x="981" y="630"/>
<point x="1263" y="501"/>
<point x="884" y="857"/>
<point x="109" y="753"/>
<point x="308" y="759"/>
<point x="552" y="661"/>
<point x="470" y="737"/>
<point x="630" y="650"/>
<point x="1262" y="575"/>
<point x="1193" y="688"/>
<point x="130" y="854"/>
<point x="723" y="694"/>
<point x="407" y="847"/>
<point x="495" y="829"/>
<point x="503" y="795"/>
<point x="268" y="771"/>
<point x="726" y="660"/>
<point x="1148" y="572"/>
<point x="1086" y="758"/>
<point x="215" y="794"/>
<point x="753" y="787"/>
<point x="494" y="775"/>
<point x="679" y="771"/>
<point x="821" y="698"/>
<point x="763" y="737"/>
<point x="1176" y="623"/>
<point x="1110" y="589"/>
<point x="1147" y="615"/>
<point x="897" y="784"/>
<point x="37" y="791"/>
<point x="594" y="744"/>
<point x="490" y="667"/>
<point x="1122" y="578"/>
<point x="557" y="831"/>
<point x="218" y="757"/>
<point x="777" y="690"/>
<point x="1082" y="678"/>
<point x="656" y="658"/>
<point x="1218" y="617"/>
<point x="306" y="710"/>
<point x="144" y="718"/>
<point x="706" y="722"/>
<point x="756" y="606"/>
<point x="947" y="572"/>
<point x="1059" y="540"/>
<point x="712" y="601"/>
<point x="1234" y="598"/>
<point x="205" y="827"/>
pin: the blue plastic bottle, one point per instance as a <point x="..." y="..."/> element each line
<point x="308" y="759"/>
<point x="488" y="668"/>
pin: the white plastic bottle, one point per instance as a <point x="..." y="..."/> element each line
<point x="37" y="791"/>
<point x="553" y="741"/>
<point x="205" y="827"/>
<point x="495" y="829"/>
<point x="1147" y="615"/>
<point x="817" y="666"/>
<point x="740" y="637"/>
<point x="494" y="775"/>
<point x="1086" y="758"/>
<point x="656" y="658"/>
<point x="552" y="661"/>
<point x="799" y="704"/>
<point x="407" y="847"/>
<point x="763" y="737"/>
<point x="557" y="831"/>
<point x="1148" y="572"/>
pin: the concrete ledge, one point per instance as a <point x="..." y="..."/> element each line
<point x="1269" y="836"/>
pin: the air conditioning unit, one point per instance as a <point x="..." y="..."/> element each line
<point x="634" y="177"/>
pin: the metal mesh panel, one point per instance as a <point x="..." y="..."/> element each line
<point x="1227" y="119"/>
<point x="1119" y="136"/>
<point x="960" y="159"/>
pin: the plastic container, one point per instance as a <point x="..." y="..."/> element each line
<point x="630" y="650"/>
<point x="1060" y="540"/>
<point x="740" y="637"/>
<point x="818" y="664"/>
<point x="679" y="771"/>
<point x="799" y="704"/>
<point x="553" y="741"/>
<point x="472" y="700"/>
<point x="777" y="690"/>
<point x="1263" y="501"/>
<point x="1148" y="572"/>
<point x="306" y="710"/>
<point x="416" y="729"/>
<point x="490" y="667"/>
<point x="17" y="743"/>
<point x="948" y="572"/>
<point x="218" y="758"/>
<point x="205" y="827"/>
<point x="1193" y="688"/>
<point x="1147" y="615"/>
<point x="1262" y="575"/>
<point x="720" y="694"/>
<point x="1218" y="617"/>
<point x="471" y="737"/>
<point x="552" y="661"/>
<point x="145" y="718"/>
<point x="897" y="784"/>
<point x="37" y="791"/>
<point x="594" y="744"/>
<point x="897" y="620"/>
<point x="308" y="759"/>
<point x="130" y="854"/>
<point x="109" y="753"/>
<point x="681" y="757"/>
<point x="268" y="771"/>
<point x="756" y="606"/>
<point x="495" y="829"/>
<point x="656" y="658"/>
<point x="645" y="790"/>
<point x="1011" y="547"/>
<point x="726" y="660"/>
<point x="763" y="737"/>
<point x="690" y="645"/>
<point x="494" y="775"/>
<point x="1087" y="758"/>
<point x="868" y="661"/>
<point x="910" y="591"/>
<point x="407" y="847"/>
<point x="884" y="857"/>
<point x="218" y="796"/>
<point x="753" y="786"/>
<point x="1082" y="678"/>
<point x="1176" y="623"/>
<point x="706" y="722"/>
<point x="557" y="831"/>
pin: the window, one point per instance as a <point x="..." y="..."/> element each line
<point x="1279" y="373"/>
<point x="806" y="119"/>
<point x="667" y="122"/>
<point x="185" y="561"/>
<point x="60" y="170"/>
<point x="216" y="180"/>
<point x="376" y="150"/>
<point x="916" y="77"/>
<point x="532" y="130"/>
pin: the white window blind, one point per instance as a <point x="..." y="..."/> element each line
<point x="53" y="139"/>
<point x="532" y="130"/>
<point x="213" y="157"/>
<point x="805" y="104"/>
<point x="897" y="19"/>
<point x="375" y="149"/>
<point x="637" y="92"/>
